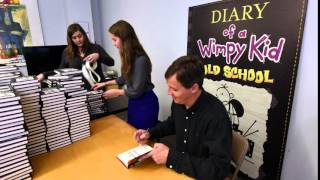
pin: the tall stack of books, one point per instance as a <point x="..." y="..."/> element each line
<point x="28" y="89"/>
<point x="14" y="162"/>
<point x="55" y="117"/>
<point x="76" y="102"/>
<point x="7" y="73"/>
<point x="96" y="103"/>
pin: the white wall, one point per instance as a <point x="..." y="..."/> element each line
<point x="162" y="29"/>
<point x="56" y="15"/>
<point x="301" y="157"/>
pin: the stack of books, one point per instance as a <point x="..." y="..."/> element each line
<point x="55" y="117"/>
<point x="68" y="72"/>
<point x="79" y="117"/>
<point x="71" y="81"/>
<point x="96" y="103"/>
<point x="7" y="73"/>
<point x="14" y="162"/>
<point x="28" y="88"/>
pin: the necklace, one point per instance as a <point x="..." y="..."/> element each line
<point x="81" y="53"/>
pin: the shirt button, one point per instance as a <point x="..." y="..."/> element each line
<point x="187" y="117"/>
<point x="185" y="141"/>
<point x="182" y="152"/>
<point x="192" y="112"/>
<point x="170" y="166"/>
<point x="185" y="130"/>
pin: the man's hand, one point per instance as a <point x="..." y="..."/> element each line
<point x="141" y="136"/>
<point x="159" y="153"/>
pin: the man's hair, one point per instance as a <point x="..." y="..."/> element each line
<point x="188" y="69"/>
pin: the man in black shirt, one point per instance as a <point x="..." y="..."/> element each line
<point x="200" y="122"/>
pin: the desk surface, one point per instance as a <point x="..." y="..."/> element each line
<point x="95" y="157"/>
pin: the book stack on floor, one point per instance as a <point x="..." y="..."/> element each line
<point x="96" y="103"/>
<point x="7" y="73"/>
<point x="76" y="102"/>
<point x="14" y="162"/>
<point x="55" y="117"/>
<point x="28" y="89"/>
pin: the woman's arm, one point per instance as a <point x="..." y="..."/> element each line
<point x="137" y="84"/>
<point x="104" y="56"/>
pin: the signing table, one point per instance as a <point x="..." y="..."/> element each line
<point x="95" y="157"/>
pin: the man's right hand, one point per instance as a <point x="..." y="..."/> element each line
<point x="141" y="136"/>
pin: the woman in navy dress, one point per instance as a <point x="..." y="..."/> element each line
<point x="136" y="67"/>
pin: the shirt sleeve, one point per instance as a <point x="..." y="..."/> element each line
<point x="64" y="60"/>
<point x="136" y="86"/>
<point x="104" y="56"/>
<point x="217" y="164"/>
<point x="120" y="81"/>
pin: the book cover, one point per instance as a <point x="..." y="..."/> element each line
<point x="7" y="96"/>
<point x="131" y="157"/>
<point x="68" y="71"/>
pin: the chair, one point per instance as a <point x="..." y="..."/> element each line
<point x="239" y="150"/>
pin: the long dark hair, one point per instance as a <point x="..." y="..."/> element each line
<point x="130" y="46"/>
<point x="72" y="49"/>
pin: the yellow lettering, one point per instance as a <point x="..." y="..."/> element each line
<point x="224" y="15"/>
<point x="266" y="77"/>
<point x="227" y="72"/>
<point x="259" y="77"/>
<point x="246" y="12"/>
<point x="243" y="74"/>
<point x="251" y="75"/>
<point x="260" y="10"/>
<point x="209" y="69"/>
<point x="249" y="12"/>
<point x="234" y="14"/>
<point x="215" y="18"/>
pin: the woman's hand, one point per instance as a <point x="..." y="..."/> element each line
<point x="98" y="86"/>
<point x="92" y="57"/>
<point x="40" y="77"/>
<point x="113" y="93"/>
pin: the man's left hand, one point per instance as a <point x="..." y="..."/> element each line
<point x="160" y="153"/>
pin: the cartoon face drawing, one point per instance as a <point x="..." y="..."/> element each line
<point x="248" y="111"/>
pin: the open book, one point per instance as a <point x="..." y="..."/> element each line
<point x="131" y="157"/>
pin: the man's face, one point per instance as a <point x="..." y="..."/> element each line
<point x="179" y="94"/>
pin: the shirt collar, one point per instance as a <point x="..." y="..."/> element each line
<point x="198" y="104"/>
